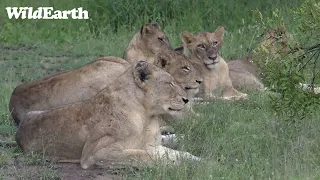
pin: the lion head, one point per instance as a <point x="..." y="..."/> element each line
<point x="182" y="70"/>
<point x="276" y="37"/>
<point x="162" y="93"/>
<point x="204" y="46"/>
<point x="146" y="42"/>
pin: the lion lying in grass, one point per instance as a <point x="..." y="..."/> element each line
<point x="146" y="43"/>
<point x="203" y="49"/>
<point x="65" y="88"/>
<point x="115" y="126"/>
<point x="247" y="75"/>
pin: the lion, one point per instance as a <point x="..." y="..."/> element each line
<point x="247" y="75"/>
<point x="203" y="49"/>
<point x="151" y="41"/>
<point x="65" y="87"/>
<point x="83" y="83"/>
<point x="146" y="43"/>
<point x="274" y="37"/>
<point x="116" y="126"/>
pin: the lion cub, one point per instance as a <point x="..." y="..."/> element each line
<point x="244" y="73"/>
<point x="204" y="49"/>
<point x="114" y="126"/>
<point x="146" y="43"/>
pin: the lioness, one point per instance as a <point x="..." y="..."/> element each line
<point x="204" y="50"/>
<point x="244" y="73"/>
<point x="181" y="68"/>
<point x="66" y="87"/>
<point x="146" y="43"/>
<point x="114" y="126"/>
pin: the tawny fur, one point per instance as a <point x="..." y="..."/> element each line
<point x="65" y="87"/>
<point x="203" y="49"/>
<point x="114" y="126"/>
<point x="146" y="43"/>
<point x="245" y="75"/>
<point x="152" y="44"/>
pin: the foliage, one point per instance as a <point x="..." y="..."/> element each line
<point x="292" y="61"/>
<point x="108" y="16"/>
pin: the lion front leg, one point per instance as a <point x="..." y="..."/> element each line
<point x="106" y="151"/>
<point x="232" y="94"/>
<point x="208" y="94"/>
<point x="210" y="86"/>
<point x="229" y="92"/>
<point x="171" y="156"/>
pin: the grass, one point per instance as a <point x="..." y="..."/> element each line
<point x="242" y="140"/>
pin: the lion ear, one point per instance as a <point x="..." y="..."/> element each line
<point x="219" y="32"/>
<point x="156" y="25"/>
<point x="282" y="29"/>
<point x="142" y="73"/>
<point x="187" y="38"/>
<point x="149" y="28"/>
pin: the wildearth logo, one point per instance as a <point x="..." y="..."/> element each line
<point x="46" y="13"/>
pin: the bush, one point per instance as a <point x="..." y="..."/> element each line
<point x="283" y="73"/>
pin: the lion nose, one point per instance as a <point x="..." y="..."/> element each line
<point x="185" y="100"/>
<point x="214" y="57"/>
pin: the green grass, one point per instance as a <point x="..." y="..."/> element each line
<point x="242" y="140"/>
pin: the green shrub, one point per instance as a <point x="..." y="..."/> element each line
<point x="284" y="72"/>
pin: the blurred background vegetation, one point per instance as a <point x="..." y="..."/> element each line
<point x="108" y="16"/>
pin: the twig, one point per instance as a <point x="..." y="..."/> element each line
<point x="8" y="143"/>
<point x="308" y="60"/>
<point x="314" y="71"/>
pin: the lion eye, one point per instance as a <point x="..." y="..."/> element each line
<point x="214" y="43"/>
<point x="201" y="46"/>
<point x="186" y="68"/>
<point x="161" y="39"/>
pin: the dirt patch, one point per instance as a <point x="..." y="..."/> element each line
<point x="63" y="171"/>
<point x="69" y="171"/>
<point x="14" y="164"/>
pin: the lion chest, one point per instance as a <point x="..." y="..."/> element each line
<point x="137" y="120"/>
